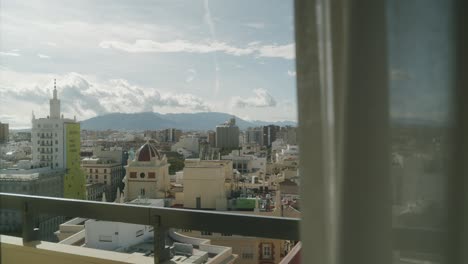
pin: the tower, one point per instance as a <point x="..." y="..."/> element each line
<point x="54" y="104"/>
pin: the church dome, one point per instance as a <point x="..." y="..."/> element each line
<point x="147" y="152"/>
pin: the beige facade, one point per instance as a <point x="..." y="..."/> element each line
<point x="103" y="171"/>
<point x="147" y="174"/>
<point x="250" y="250"/>
<point x="205" y="183"/>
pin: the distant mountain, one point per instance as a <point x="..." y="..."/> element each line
<point x="184" y="121"/>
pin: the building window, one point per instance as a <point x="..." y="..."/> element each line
<point x="246" y="255"/>
<point x="151" y="175"/>
<point x="206" y="233"/>
<point x="266" y="250"/>
<point x="226" y="234"/>
<point x="186" y="230"/>
<point x="95" y="170"/>
<point x="133" y="175"/>
<point x="105" y="170"/>
<point x="90" y="170"/>
<point x="103" y="238"/>
<point x="96" y="176"/>
<point x="105" y="176"/>
<point x="142" y="175"/>
<point x="56" y="149"/>
<point x="105" y="182"/>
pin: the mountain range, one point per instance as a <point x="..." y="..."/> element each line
<point x="184" y="121"/>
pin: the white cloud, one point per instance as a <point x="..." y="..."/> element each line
<point x="261" y="98"/>
<point x="86" y="96"/>
<point x="292" y="73"/>
<point x="255" y="25"/>
<point x="13" y="54"/>
<point x="145" y="46"/>
<point x="278" y="51"/>
<point x="42" y="56"/>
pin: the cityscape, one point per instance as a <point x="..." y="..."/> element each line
<point x="252" y="171"/>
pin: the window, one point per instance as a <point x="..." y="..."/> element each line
<point x="105" y="182"/>
<point x="95" y="170"/>
<point x="105" y="176"/>
<point x="151" y="175"/>
<point x="246" y="255"/>
<point x="142" y="175"/>
<point x="103" y="238"/>
<point x="96" y="177"/>
<point x="90" y="170"/>
<point x="226" y="234"/>
<point x="133" y="174"/>
<point x="105" y="170"/>
<point x="206" y="233"/>
<point x="266" y="251"/>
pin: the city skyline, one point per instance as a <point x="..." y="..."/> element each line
<point x="166" y="57"/>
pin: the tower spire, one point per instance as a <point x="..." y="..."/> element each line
<point x="55" y="88"/>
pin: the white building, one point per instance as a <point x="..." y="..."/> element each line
<point x="48" y="136"/>
<point x="187" y="143"/>
<point x="288" y="155"/>
<point x="56" y="144"/>
<point x="246" y="163"/>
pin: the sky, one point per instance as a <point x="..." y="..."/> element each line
<point x="175" y="56"/>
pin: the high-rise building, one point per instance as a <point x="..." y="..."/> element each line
<point x="269" y="134"/>
<point x="172" y="134"/>
<point x="56" y="144"/>
<point x="4" y="132"/>
<point x="211" y="136"/>
<point x="254" y="135"/>
<point x="227" y="135"/>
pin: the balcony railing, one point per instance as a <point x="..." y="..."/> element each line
<point x="404" y="238"/>
<point x="160" y="218"/>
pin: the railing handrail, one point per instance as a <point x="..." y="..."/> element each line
<point x="214" y="221"/>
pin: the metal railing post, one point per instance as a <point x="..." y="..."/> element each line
<point x="159" y="235"/>
<point x="29" y="232"/>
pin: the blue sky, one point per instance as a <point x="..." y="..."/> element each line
<point x="163" y="56"/>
